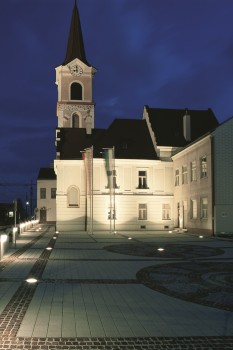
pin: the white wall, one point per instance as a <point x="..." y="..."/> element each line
<point x="127" y="195"/>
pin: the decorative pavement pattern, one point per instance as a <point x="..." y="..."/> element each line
<point x="81" y="264"/>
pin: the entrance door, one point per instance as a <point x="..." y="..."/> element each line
<point x="43" y="217"/>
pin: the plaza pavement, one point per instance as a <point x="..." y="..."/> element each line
<point x="88" y="296"/>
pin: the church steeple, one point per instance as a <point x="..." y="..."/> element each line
<point x="75" y="47"/>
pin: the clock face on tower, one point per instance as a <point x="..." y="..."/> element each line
<point x="76" y="70"/>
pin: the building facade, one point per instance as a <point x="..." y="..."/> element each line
<point x="159" y="175"/>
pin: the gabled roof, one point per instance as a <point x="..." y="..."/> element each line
<point x="167" y="125"/>
<point x="46" y="174"/>
<point x="130" y="138"/>
<point x="75" y="46"/>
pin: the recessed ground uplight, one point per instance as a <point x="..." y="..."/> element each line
<point x="169" y="231"/>
<point x="39" y="228"/>
<point x="57" y="232"/>
<point x="130" y="238"/>
<point x="160" y="249"/>
<point x="49" y="248"/>
<point x="31" y="280"/>
<point x="200" y="236"/>
<point x="54" y="237"/>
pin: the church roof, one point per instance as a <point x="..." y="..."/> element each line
<point x="46" y="174"/>
<point x="75" y="46"/>
<point x="167" y="125"/>
<point x="130" y="138"/>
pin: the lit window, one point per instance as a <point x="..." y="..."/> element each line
<point x="53" y="193"/>
<point x="73" y="197"/>
<point x="184" y="174"/>
<point x="166" y="215"/>
<point x="203" y="167"/>
<point x="43" y="193"/>
<point x="193" y="208"/>
<point x="142" y="211"/>
<point x="177" y="177"/>
<point x="142" y="179"/>
<point x="193" y="167"/>
<point x="204" y="208"/>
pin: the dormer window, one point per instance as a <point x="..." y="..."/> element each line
<point x="76" y="91"/>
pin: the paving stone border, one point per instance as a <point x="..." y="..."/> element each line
<point x="15" y="310"/>
<point x="153" y="343"/>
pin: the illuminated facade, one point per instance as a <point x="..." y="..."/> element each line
<point x="161" y="176"/>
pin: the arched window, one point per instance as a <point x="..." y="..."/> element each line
<point x="76" y="91"/>
<point x="73" y="197"/>
<point x="75" y="120"/>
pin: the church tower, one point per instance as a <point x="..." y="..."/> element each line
<point x="74" y="78"/>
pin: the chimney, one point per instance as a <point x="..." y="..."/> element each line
<point x="187" y="126"/>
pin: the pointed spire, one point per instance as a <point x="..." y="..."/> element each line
<point x="75" y="47"/>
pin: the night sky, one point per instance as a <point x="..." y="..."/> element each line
<point x="161" y="53"/>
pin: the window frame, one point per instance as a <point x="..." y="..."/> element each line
<point x="184" y="174"/>
<point x="43" y="190"/>
<point x="193" y="171"/>
<point x="204" y="211"/>
<point x="75" y="204"/>
<point x="52" y="191"/>
<point x="203" y="167"/>
<point x="142" y="180"/>
<point x="142" y="211"/>
<point x="193" y="209"/>
<point x="166" y="211"/>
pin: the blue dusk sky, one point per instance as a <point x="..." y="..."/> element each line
<point x="161" y="53"/>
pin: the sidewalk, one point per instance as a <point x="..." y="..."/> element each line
<point x="103" y="291"/>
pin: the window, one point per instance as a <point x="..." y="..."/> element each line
<point x="177" y="177"/>
<point x="142" y="211"/>
<point x="111" y="214"/>
<point x="73" y="197"/>
<point x="75" y="120"/>
<point x="43" y="193"/>
<point x="203" y="166"/>
<point x="166" y="214"/>
<point x="76" y="91"/>
<point x="193" y="171"/>
<point x="53" y="193"/>
<point x="204" y="208"/>
<point x="112" y="176"/>
<point x="184" y="174"/>
<point x="193" y="209"/>
<point x="142" y="179"/>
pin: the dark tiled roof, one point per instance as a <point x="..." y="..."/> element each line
<point x="130" y="138"/>
<point x="167" y="125"/>
<point x="46" y="174"/>
<point x="75" y="47"/>
<point x="73" y="141"/>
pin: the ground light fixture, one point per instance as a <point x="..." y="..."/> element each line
<point x="57" y="232"/>
<point x="54" y="237"/>
<point x="31" y="280"/>
<point x="160" y="249"/>
<point x="49" y="248"/>
<point x="130" y="238"/>
<point x="200" y="236"/>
